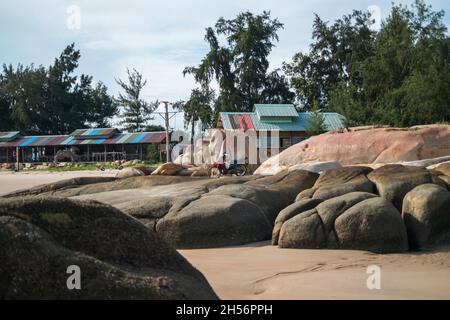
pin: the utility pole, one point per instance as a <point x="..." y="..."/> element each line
<point x="166" y="117"/>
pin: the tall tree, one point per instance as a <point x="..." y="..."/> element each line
<point x="136" y="111"/>
<point x="97" y="104"/>
<point x="399" y="75"/>
<point x="198" y="107"/>
<point x="240" y="66"/>
<point x="406" y="80"/>
<point x="23" y="91"/>
<point x="39" y="100"/>
<point x="334" y="57"/>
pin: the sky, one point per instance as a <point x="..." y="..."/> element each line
<point x="158" y="38"/>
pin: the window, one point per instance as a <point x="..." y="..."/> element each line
<point x="297" y="139"/>
<point x="285" y="142"/>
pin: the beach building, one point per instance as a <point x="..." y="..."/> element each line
<point x="82" y="145"/>
<point x="290" y="125"/>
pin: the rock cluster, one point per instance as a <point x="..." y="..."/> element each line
<point x="224" y="214"/>
<point x="119" y="258"/>
<point x="389" y="209"/>
<point x="367" y="145"/>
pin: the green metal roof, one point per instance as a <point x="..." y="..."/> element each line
<point x="275" y="110"/>
<point x="9" y="135"/>
<point x="249" y="120"/>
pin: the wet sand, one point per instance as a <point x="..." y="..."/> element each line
<point x="262" y="271"/>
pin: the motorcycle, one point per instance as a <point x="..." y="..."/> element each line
<point x="216" y="170"/>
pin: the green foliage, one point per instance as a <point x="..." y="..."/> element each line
<point x="198" y="107"/>
<point x="344" y="100"/>
<point x="316" y="123"/>
<point x="240" y="65"/>
<point x="136" y="112"/>
<point x="153" y="153"/>
<point x="39" y="100"/>
<point x="154" y="127"/>
<point x="334" y="57"/>
<point x="399" y="75"/>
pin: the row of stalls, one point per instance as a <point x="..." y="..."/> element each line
<point x="82" y="145"/>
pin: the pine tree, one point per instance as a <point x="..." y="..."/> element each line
<point x="136" y="111"/>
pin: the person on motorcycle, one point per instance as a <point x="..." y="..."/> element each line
<point x="224" y="161"/>
<point x="221" y="167"/>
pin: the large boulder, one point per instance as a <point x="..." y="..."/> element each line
<point x="360" y="183"/>
<point x="184" y="173"/>
<point x="292" y="231"/>
<point x="168" y="169"/>
<point x="428" y="163"/>
<point x="336" y="182"/>
<point x="286" y="185"/>
<point x="356" y="220"/>
<point x="373" y="224"/>
<point x="340" y="175"/>
<point x="368" y="145"/>
<point x="444" y="168"/>
<point x="194" y="171"/>
<point x="267" y="201"/>
<point x="442" y="171"/>
<point x="147" y="170"/>
<point x="446" y="180"/>
<point x="148" y="211"/>
<point x="393" y="182"/>
<point x="202" y="171"/>
<point x="214" y="221"/>
<point x="426" y="213"/>
<point x="232" y="211"/>
<point x="304" y="230"/>
<point x="66" y="184"/>
<point x="129" y="172"/>
<point x="331" y="209"/>
<point x="316" y="166"/>
<point x="289" y="212"/>
<point x="119" y="258"/>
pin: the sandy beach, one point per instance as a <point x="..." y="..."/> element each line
<point x="12" y="181"/>
<point x="262" y="271"/>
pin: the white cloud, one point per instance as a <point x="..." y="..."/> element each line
<point x="158" y="37"/>
<point x="164" y="76"/>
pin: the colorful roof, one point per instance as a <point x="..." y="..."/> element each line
<point x="9" y="135"/>
<point x="96" y="133"/>
<point x="249" y="120"/>
<point x="275" y="110"/>
<point x="68" y="140"/>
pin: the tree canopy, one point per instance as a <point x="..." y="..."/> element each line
<point x="198" y="107"/>
<point x="53" y="100"/>
<point x="136" y="112"/>
<point x="240" y="65"/>
<point x="399" y="75"/>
